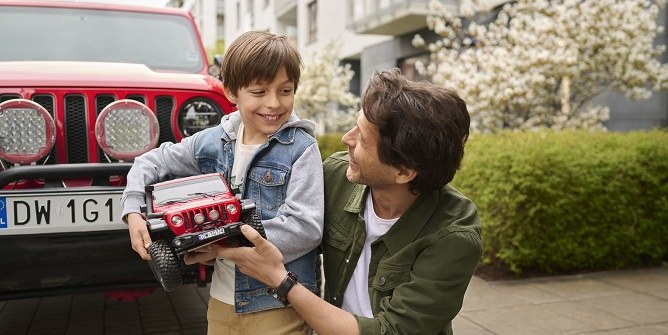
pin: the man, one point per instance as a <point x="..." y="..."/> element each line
<point x="400" y="245"/>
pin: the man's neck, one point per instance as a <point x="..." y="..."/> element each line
<point x="392" y="202"/>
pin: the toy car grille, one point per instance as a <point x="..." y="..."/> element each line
<point x="190" y="216"/>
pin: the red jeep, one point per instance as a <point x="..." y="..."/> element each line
<point x="187" y="213"/>
<point x="85" y="88"/>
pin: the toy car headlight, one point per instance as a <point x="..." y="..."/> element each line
<point x="126" y="129"/>
<point x="177" y="220"/>
<point x="27" y="131"/>
<point x="231" y="208"/>
<point x="198" y="114"/>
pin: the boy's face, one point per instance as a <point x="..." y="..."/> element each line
<point x="264" y="107"/>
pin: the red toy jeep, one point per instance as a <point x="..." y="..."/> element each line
<point x="187" y="213"/>
<point x="85" y="88"/>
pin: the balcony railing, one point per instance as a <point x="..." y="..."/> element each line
<point x="391" y="17"/>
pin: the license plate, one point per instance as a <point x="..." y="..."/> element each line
<point x="60" y="212"/>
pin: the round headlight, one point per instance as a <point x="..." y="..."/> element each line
<point x="214" y="215"/>
<point x="126" y="129"/>
<point x="231" y="208"/>
<point x="177" y="220"/>
<point x="27" y="131"/>
<point x="198" y="114"/>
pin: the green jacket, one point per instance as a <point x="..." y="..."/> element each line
<point x="419" y="270"/>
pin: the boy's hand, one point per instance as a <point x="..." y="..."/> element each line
<point x="139" y="236"/>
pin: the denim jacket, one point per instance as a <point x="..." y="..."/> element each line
<point x="268" y="176"/>
<point x="284" y="178"/>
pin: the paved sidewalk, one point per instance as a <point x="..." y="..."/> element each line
<point x="618" y="302"/>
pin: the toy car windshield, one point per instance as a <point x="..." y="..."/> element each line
<point x="181" y="192"/>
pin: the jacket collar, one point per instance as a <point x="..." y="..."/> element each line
<point x="409" y="225"/>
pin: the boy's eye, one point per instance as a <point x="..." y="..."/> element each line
<point x="286" y="91"/>
<point x="257" y="92"/>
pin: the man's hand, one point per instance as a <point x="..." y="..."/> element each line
<point x="205" y="255"/>
<point x="139" y="235"/>
<point x="263" y="262"/>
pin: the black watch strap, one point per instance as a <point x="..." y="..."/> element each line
<point x="281" y="292"/>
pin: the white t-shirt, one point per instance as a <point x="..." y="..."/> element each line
<point x="356" y="297"/>
<point x="222" y="282"/>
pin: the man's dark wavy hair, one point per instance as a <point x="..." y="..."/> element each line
<point x="422" y="127"/>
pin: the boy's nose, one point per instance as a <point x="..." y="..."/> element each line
<point x="271" y="101"/>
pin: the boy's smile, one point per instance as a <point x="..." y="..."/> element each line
<point x="264" y="107"/>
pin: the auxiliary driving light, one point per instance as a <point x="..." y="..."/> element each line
<point x="27" y="131"/>
<point x="214" y="215"/>
<point x="126" y="129"/>
<point x="199" y="218"/>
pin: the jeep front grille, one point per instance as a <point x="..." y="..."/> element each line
<point x="190" y="216"/>
<point x="78" y="132"/>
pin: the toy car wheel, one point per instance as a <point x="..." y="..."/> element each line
<point x="165" y="265"/>
<point x="252" y="219"/>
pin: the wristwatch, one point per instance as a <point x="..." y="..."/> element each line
<point x="281" y="292"/>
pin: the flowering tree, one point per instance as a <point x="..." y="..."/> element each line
<point x="540" y="62"/>
<point x="324" y="89"/>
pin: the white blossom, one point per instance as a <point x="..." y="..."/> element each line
<point x="511" y="71"/>
<point x="324" y="90"/>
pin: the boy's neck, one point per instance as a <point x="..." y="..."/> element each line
<point x="248" y="137"/>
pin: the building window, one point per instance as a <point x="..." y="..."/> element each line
<point x="407" y="66"/>
<point x="238" y="14"/>
<point x="250" y="11"/>
<point x="312" y="21"/>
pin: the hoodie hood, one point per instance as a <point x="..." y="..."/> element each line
<point x="232" y="121"/>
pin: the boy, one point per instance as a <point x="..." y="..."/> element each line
<point x="273" y="158"/>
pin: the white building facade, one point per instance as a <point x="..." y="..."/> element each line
<point x="377" y="35"/>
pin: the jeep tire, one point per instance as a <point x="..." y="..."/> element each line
<point x="165" y="265"/>
<point x="252" y="219"/>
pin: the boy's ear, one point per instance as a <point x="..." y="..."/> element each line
<point x="228" y="94"/>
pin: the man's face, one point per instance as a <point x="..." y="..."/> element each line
<point x="365" y="166"/>
<point x="264" y="107"/>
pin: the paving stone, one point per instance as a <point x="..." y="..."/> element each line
<point x="526" y="320"/>
<point x="635" y="307"/>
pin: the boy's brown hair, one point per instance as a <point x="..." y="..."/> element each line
<point x="256" y="57"/>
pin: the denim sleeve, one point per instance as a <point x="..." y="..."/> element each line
<point x="298" y="225"/>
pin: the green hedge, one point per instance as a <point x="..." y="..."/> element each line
<point x="330" y="143"/>
<point x="564" y="202"/>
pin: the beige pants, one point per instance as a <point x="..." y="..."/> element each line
<point x="223" y="320"/>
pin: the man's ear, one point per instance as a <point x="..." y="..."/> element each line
<point x="405" y="175"/>
<point x="228" y="94"/>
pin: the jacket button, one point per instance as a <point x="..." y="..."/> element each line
<point x="267" y="176"/>
<point x="381" y="281"/>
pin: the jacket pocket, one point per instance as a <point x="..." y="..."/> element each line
<point x="337" y="236"/>
<point x="268" y="186"/>
<point x="388" y="277"/>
